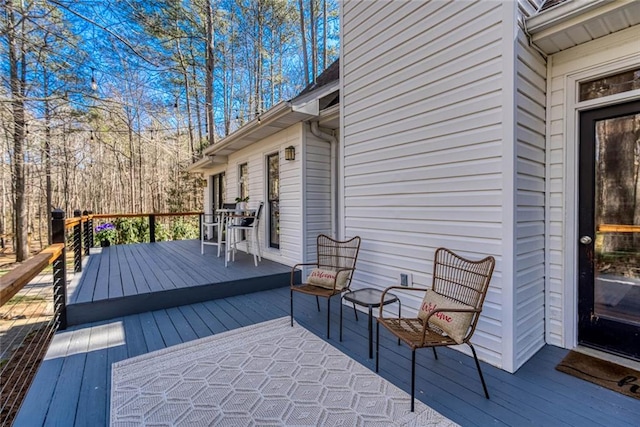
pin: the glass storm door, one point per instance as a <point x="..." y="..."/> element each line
<point x="609" y="229"/>
<point x="273" y="188"/>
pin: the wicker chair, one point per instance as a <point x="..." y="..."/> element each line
<point x="332" y="273"/>
<point x="449" y="312"/>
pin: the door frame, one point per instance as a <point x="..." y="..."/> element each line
<point x="607" y="335"/>
<point x="570" y="207"/>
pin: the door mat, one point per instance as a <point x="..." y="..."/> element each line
<point x="604" y="373"/>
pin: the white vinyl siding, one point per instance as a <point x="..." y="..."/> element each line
<point x="422" y="102"/>
<point x="596" y="58"/>
<point x="529" y="283"/>
<point x="290" y="190"/>
<point x="317" y="191"/>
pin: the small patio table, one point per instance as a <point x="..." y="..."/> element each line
<point x="370" y="298"/>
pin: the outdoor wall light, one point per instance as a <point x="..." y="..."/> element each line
<point x="290" y="153"/>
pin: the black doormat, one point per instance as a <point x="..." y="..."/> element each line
<point x="606" y="374"/>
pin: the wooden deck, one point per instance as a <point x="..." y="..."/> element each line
<point x="72" y="386"/>
<point x="129" y="279"/>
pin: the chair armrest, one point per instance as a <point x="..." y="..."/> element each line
<point x="295" y="267"/>
<point x="403" y="288"/>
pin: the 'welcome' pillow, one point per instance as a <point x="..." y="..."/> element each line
<point x="326" y="278"/>
<point x="454" y="324"/>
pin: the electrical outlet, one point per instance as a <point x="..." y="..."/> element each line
<point x="405" y="279"/>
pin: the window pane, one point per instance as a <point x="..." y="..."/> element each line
<point x="610" y="85"/>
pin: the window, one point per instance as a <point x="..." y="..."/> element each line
<point x="273" y="189"/>
<point x="243" y="180"/>
<point x="610" y="85"/>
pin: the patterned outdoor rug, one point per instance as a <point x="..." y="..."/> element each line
<point x="602" y="372"/>
<point x="268" y="374"/>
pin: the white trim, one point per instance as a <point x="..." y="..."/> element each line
<point x="340" y="226"/>
<point x="547" y="204"/>
<point x="509" y="121"/>
<point x="303" y="199"/>
<point x="572" y="122"/>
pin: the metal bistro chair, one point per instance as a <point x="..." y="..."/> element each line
<point x="208" y="223"/>
<point x="251" y="225"/>
<point x="332" y="274"/>
<point x="449" y="311"/>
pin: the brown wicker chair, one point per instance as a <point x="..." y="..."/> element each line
<point x="459" y="287"/>
<point x="333" y="271"/>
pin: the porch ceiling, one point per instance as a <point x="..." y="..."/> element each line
<point x="575" y="22"/>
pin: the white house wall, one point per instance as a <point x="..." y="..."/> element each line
<point x="444" y="145"/>
<point x="317" y="191"/>
<point x="594" y="59"/>
<point x="529" y="282"/>
<point x="423" y="143"/>
<point x="291" y="243"/>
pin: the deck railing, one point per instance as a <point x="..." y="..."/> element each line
<point x="24" y="342"/>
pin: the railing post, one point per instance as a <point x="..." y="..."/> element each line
<point x="59" y="268"/>
<point x="152" y="228"/>
<point x="77" y="243"/>
<point x="87" y="232"/>
<point x="91" y="230"/>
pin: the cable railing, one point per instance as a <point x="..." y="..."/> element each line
<point x="33" y="299"/>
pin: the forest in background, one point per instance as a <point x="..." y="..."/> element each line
<point x="105" y="103"/>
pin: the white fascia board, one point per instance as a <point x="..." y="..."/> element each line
<point x="299" y="104"/>
<point x="264" y="119"/>
<point x="570" y="14"/>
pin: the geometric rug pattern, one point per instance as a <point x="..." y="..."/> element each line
<point x="269" y="374"/>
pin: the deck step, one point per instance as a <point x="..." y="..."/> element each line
<point x="131" y="279"/>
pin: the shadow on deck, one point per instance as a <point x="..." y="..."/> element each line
<point x="129" y="279"/>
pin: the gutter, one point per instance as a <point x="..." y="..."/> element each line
<point x="569" y="12"/>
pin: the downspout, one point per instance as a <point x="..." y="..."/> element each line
<point x="331" y="139"/>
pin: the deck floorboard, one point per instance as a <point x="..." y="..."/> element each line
<point x="73" y="385"/>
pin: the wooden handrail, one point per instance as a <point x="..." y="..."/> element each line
<point x="618" y="228"/>
<point x="17" y="278"/>
<point x="140" y="215"/>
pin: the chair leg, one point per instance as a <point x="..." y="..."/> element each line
<point x="328" y="317"/>
<point x="434" y="353"/>
<point x="291" y="302"/>
<point x="413" y="377"/>
<point x="219" y="239"/>
<point x="341" y="319"/>
<point x="377" y="345"/>
<point x="254" y="250"/>
<point x="318" y="303"/>
<point x="258" y="244"/>
<point x="484" y="386"/>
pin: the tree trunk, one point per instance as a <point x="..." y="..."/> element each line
<point x="210" y="67"/>
<point x="314" y="41"/>
<point x="305" y="59"/>
<point x="17" y="105"/>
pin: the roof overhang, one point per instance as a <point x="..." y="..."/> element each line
<point x="277" y="118"/>
<point x="575" y="22"/>
<point x="207" y="162"/>
<point x="310" y="102"/>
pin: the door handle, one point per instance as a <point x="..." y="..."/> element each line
<point x="585" y="240"/>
